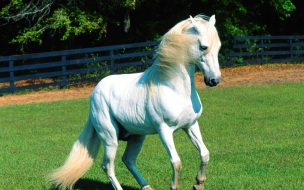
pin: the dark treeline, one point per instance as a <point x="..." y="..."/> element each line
<point x="71" y="24"/>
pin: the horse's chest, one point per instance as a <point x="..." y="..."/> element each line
<point x="176" y="110"/>
<point x="184" y="119"/>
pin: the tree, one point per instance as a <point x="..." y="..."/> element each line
<point x="46" y="25"/>
<point x="67" y="18"/>
<point x="234" y="17"/>
<point x="242" y="17"/>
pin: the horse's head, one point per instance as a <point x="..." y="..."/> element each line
<point x="205" y="49"/>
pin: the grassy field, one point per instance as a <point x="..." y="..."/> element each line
<point x="255" y="135"/>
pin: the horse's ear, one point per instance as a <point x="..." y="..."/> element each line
<point x="212" y="20"/>
<point x="196" y="25"/>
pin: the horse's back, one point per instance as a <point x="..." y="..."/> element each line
<point x="117" y="82"/>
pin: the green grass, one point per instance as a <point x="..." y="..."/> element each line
<point x="255" y="135"/>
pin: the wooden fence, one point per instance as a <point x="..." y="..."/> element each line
<point x="61" y="68"/>
<point x="262" y="49"/>
<point x="32" y="71"/>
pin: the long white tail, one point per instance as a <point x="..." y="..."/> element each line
<point x="80" y="159"/>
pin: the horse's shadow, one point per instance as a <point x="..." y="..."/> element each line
<point x="88" y="184"/>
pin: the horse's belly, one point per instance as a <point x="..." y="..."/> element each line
<point x="135" y="122"/>
<point x="133" y="115"/>
<point x="140" y="129"/>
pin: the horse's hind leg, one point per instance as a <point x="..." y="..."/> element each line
<point x="108" y="164"/>
<point x="107" y="130"/>
<point x="129" y="158"/>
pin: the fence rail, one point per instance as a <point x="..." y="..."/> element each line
<point x="262" y="49"/>
<point x="62" y="68"/>
<point x="72" y="66"/>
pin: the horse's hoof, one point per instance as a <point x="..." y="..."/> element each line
<point x="198" y="187"/>
<point x="148" y="187"/>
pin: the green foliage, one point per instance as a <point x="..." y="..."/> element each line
<point x="101" y="68"/>
<point x="283" y="7"/>
<point x="102" y="22"/>
<point x="244" y="17"/>
<point x="14" y="5"/>
<point x="74" y="19"/>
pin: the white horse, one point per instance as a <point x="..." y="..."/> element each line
<point x="160" y="100"/>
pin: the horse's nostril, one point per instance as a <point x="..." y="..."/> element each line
<point x="213" y="82"/>
<point x="210" y="82"/>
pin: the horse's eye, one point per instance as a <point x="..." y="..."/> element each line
<point x="203" y="48"/>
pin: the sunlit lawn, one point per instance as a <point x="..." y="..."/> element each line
<point x="255" y="135"/>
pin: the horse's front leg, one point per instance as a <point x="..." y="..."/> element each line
<point x="196" y="138"/>
<point x="166" y="136"/>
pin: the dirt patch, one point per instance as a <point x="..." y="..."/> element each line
<point x="244" y="75"/>
<point x="260" y="74"/>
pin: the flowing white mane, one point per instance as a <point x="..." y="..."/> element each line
<point x="174" y="48"/>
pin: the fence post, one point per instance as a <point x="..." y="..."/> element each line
<point x="112" y="69"/>
<point x="230" y="45"/>
<point x="64" y="77"/>
<point x="12" y="86"/>
<point x="291" y="49"/>
<point x="262" y="51"/>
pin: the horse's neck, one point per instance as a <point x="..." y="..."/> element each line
<point x="183" y="81"/>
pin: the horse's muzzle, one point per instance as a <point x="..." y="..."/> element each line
<point x="211" y="82"/>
